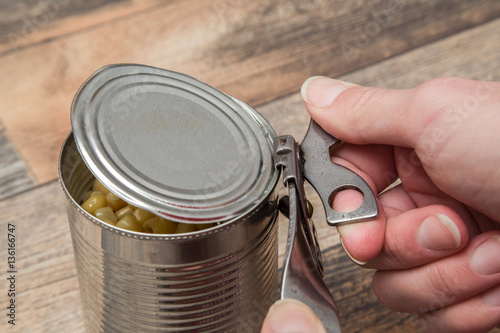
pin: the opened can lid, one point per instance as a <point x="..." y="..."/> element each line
<point x="171" y="144"/>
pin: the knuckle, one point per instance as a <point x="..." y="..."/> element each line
<point x="434" y="85"/>
<point x="365" y="97"/>
<point x="435" y="99"/>
<point x="396" y="258"/>
<point x="441" y="291"/>
<point x="358" y="120"/>
<point x="396" y="253"/>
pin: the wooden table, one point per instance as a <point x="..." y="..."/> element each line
<point x="259" y="51"/>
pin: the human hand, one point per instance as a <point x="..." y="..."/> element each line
<point x="436" y="241"/>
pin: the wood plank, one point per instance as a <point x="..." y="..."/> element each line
<point x="255" y="51"/>
<point x="46" y="285"/>
<point x="331" y="38"/>
<point x="27" y="22"/>
<point x="14" y="176"/>
<point x="49" y="288"/>
<point x="471" y="54"/>
<point x="360" y="311"/>
<point x="49" y="291"/>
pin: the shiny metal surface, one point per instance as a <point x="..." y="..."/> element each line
<point x="302" y="277"/>
<point x="221" y="279"/>
<point x="329" y="178"/>
<point x="173" y="145"/>
<point x="289" y="159"/>
<point x="303" y="269"/>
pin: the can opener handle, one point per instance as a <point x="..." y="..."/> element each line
<point x="303" y="268"/>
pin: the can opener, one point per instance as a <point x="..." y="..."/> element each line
<point x="303" y="268"/>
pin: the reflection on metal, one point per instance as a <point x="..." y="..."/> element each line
<point x="303" y="268"/>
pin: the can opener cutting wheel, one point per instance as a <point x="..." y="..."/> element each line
<point x="303" y="269"/>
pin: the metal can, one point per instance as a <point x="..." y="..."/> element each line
<point x="168" y="143"/>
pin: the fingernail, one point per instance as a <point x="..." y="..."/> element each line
<point x="492" y="296"/>
<point x="484" y="260"/>
<point x="342" y="230"/>
<point x="438" y="233"/>
<point x="320" y="91"/>
<point x="292" y="316"/>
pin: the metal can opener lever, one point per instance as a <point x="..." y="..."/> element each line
<point x="303" y="268"/>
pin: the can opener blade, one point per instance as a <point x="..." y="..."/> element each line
<point x="303" y="268"/>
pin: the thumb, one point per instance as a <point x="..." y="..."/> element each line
<point x="291" y="316"/>
<point x="365" y="115"/>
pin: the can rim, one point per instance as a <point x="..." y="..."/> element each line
<point x="120" y="180"/>
<point x="142" y="235"/>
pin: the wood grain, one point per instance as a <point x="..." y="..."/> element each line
<point x="472" y="54"/>
<point x="14" y="176"/>
<point x="27" y="22"/>
<point x="360" y="311"/>
<point x="256" y="51"/>
<point x="47" y="288"/>
<point x="48" y="268"/>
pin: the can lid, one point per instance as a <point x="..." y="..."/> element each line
<point x="171" y="144"/>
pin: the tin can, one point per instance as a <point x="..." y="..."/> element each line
<point x="177" y="147"/>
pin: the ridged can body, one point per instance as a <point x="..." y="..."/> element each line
<point x="220" y="280"/>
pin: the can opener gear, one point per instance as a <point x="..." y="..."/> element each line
<point x="303" y="269"/>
